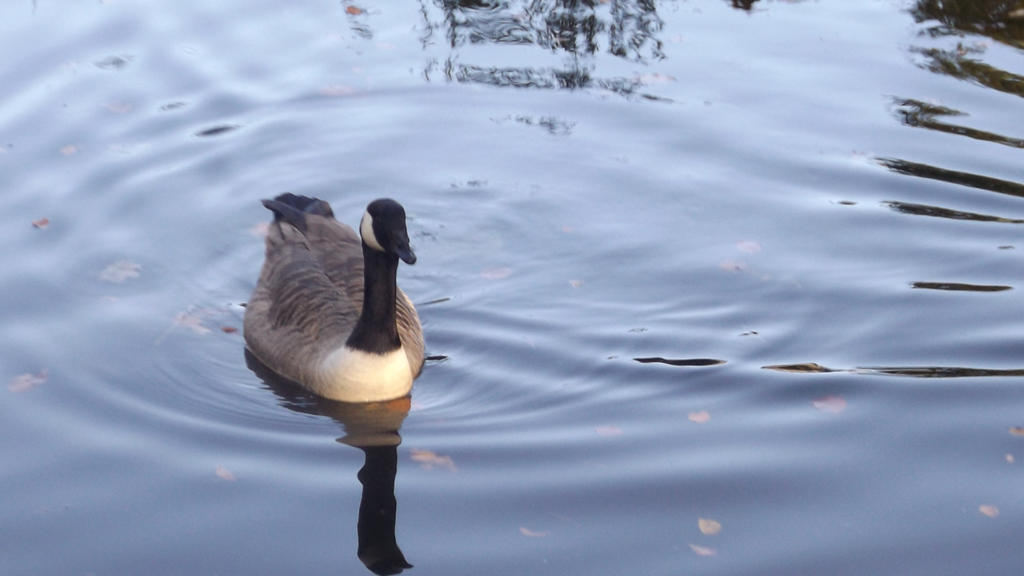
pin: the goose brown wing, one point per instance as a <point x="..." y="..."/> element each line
<point x="296" y="315"/>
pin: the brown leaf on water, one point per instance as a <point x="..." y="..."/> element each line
<point x="655" y="78"/>
<point x="988" y="510"/>
<point x="337" y="90"/>
<point x="699" y="417"/>
<point x="228" y="329"/>
<point x="497" y="273"/>
<point x="708" y="526"/>
<point x="191" y="320"/>
<point x="429" y="460"/>
<point x="830" y="404"/>
<point x="225" y="474"/>
<point x="41" y="223"/>
<point x="1017" y="430"/>
<point x="531" y="533"/>
<point x="354" y="10"/>
<point x="118" y="107"/>
<point x="703" y="550"/>
<point x="23" y="382"/>
<point x="118" y="272"/>
<point x="608" y="431"/>
<point x="748" y="246"/>
<point x="260" y="230"/>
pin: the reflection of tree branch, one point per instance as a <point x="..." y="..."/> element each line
<point x="997" y="19"/>
<point x="953" y="177"/>
<point x="938" y="212"/>
<point x="954" y="63"/>
<point x="922" y="115"/>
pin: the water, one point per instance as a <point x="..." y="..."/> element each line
<point x="803" y="216"/>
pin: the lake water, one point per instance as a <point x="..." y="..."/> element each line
<point x="708" y="287"/>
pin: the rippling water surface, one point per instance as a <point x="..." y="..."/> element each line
<point x="708" y="287"/>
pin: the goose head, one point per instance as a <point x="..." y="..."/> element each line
<point x="383" y="229"/>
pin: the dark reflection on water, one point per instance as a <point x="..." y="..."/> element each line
<point x="978" y="181"/>
<point x="912" y="371"/>
<point x="958" y="64"/>
<point x="680" y="361"/>
<point x="923" y="115"/>
<point x="960" y="287"/>
<point x="998" y="19"/>
<point x="574" y="29"/>
<point x="938" y="212"/>
<point x="372" y="428"/>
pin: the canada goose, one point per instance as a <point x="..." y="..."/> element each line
<point x="310" y="318"/>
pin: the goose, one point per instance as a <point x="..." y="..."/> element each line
<point x="326" y="312"/>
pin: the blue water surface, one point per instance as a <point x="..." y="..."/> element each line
<point x="708" y="287"/>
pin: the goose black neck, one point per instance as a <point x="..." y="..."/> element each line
<point x="376" y="330"/>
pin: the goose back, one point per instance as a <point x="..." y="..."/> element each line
<point x="309" y="297"/>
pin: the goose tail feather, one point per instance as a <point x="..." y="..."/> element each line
<point x="293" y="209"/>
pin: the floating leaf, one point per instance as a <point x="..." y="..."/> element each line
<point x="988" y="510"/>
<point x="708" y="526"/>
<point x="699" y="417"/>
<point x="337" y="90"/>
<point x="41" y="223"/>
<point x="655" y="78"/>
<point x="429" y="460"/>
<point x="354" y="10"/>
<point x="1017" y="430"/>
<point x="192" y="321"/>
<point x="703" y="550"/>
<point x="118" y="107"/>
<point x="23" y="382"/>
<point x="225" y="474"/>
<point x="830" y="404"/>
<point x="496" y="273"/>
<point x="531" y="533"/>
<point x="260" y="230"/>
<point x="120" y="271"/>
<point x="608" y="431"/>
<point x="228" y="329"/>
<point x="748" y="246"/>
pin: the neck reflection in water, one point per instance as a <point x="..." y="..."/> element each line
<point x="373" y="428"/>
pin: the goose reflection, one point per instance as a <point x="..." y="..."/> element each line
<point x="372" y="428"/>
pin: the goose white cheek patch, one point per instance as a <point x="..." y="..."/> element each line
<point x="366" y="231"/>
